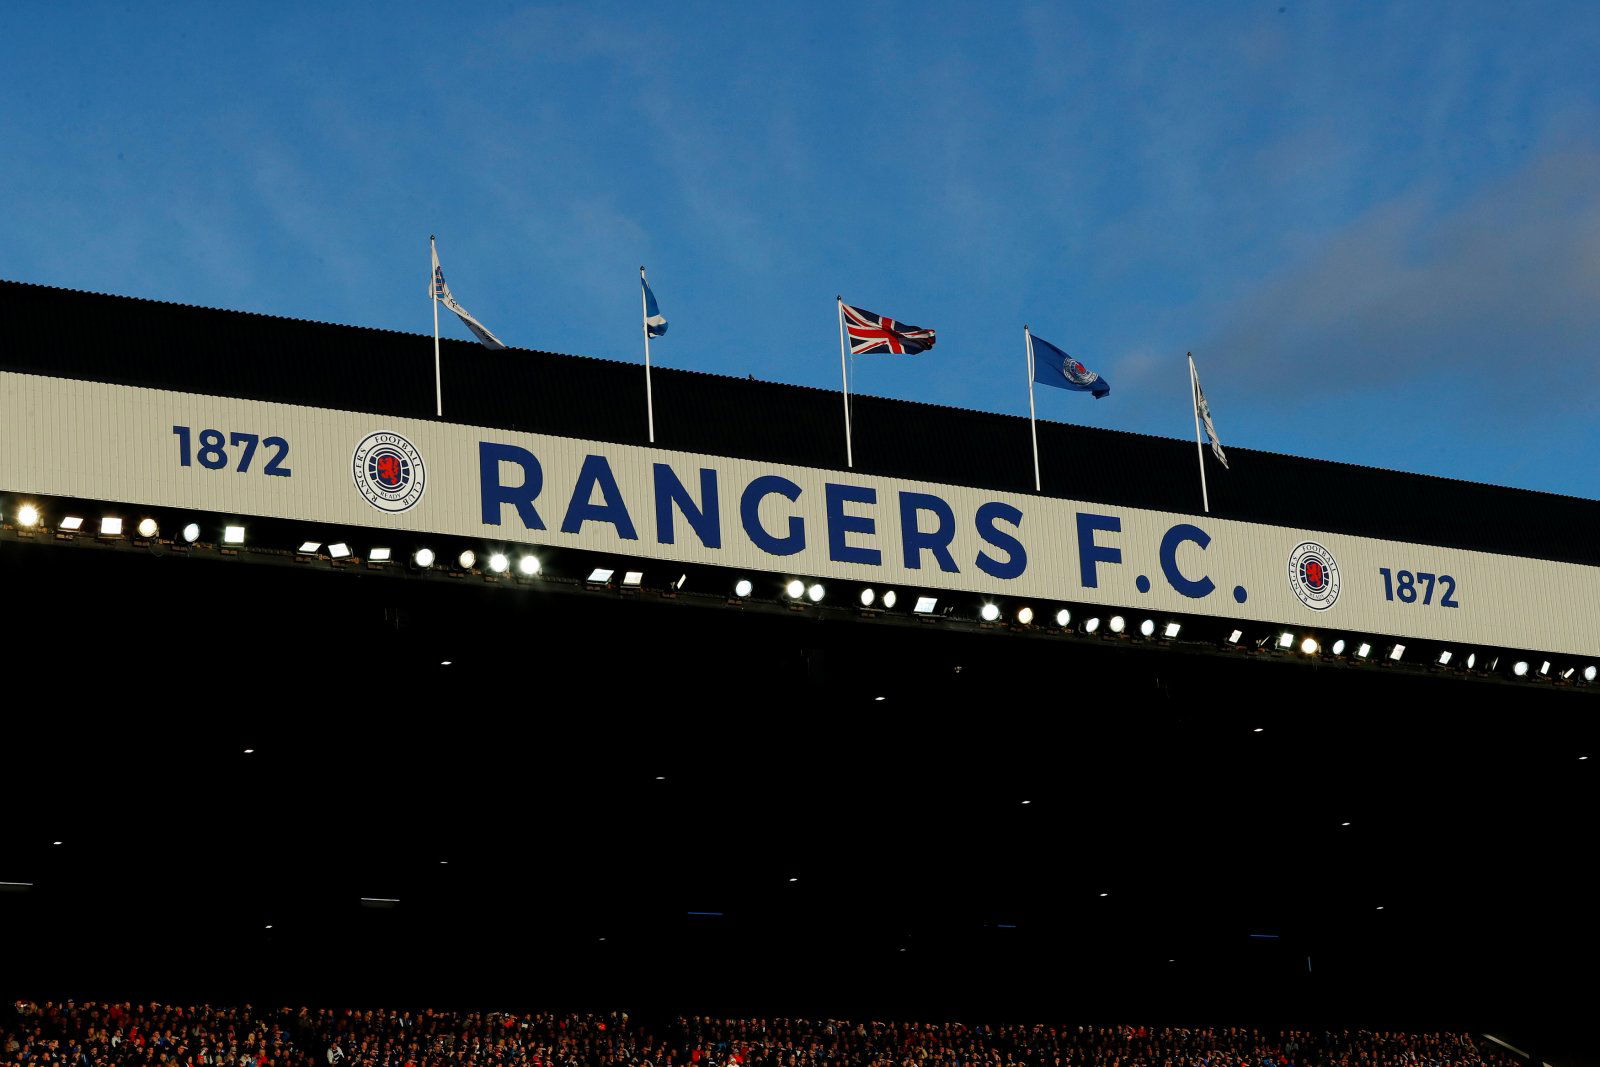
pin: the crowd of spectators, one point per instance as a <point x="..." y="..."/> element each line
<point x="92" y="1034"/>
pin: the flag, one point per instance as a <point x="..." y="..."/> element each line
<point x="1055" y="368"/>
<point x="441" y="293"/>
<point x="1204" y="409"/>
<point x="871" y="333"/>
<point x="655" y="323"/>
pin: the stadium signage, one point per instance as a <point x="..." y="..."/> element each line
<point x="250" y="458"/>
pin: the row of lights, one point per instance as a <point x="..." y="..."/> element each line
<point x="1363" y="650"/>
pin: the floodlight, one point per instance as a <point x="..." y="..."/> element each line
<point x="867" y="597"/>
<point x="1118" y="624"/>
<point x="1444" y="658"/>
<point x="379" y="555"/>
<point x="466" y="559"/>
<point x="742" y="588"/>
<point x="528" y="566"/>
<point x="925" y="605"/>
<point x="422" y="558"/>
<point x="308" y="548"/>
<point x="1172" y="630"/>
<point x="1338" y="647"/>
<point x="1148" y="628"/>
<point x="110" y="526"/>
<point x="1063" y="618"/>
<point x="1309" y="646"/>
<point x="1396" y="652"/>
<point x="1544" y="668"/>
<point x="796" y="589"/>
<point x="989" y="612"/>
<point x="600" y="575"/>
<point x="191" y="532"/>
<point x="1589" y="673"/>
<point x="1286" y="640"/>
<point x="498" y="562"/>
<point x="1364" y="651"/>
<point x="233" y="535"/>
<point x="27" y="515"/>
<point x="1566" y="675"/>
<point x="1520" y="668"/>
<point x="339" y="550"/>
<point x="72" y="523"/>
<point x="1472" y="660"/>
<point x="1235" y="636"/>
<point x="815" y="593"/>
<point x="888" y="598"/>
<point x="1091" y="626"/>
<point x="632" y="579"/>
<point x="148" y="528"/>
<point x="1025" y="615"/>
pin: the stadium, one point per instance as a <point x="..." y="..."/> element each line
<point x="319" y="699"/>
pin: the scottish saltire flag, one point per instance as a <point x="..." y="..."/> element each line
<point x="655" y="323"/>
<point x="441" y="293"/>
<point x="871" y="334"/>
<point x="1204" y="411"/>
<point x="1055" y="368"/>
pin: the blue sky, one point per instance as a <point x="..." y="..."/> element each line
<point x="1376" y="225"/>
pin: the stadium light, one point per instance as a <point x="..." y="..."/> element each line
<point x="1396" y="652"/>
<point x="1338" y="647"/>
<point x="1444" y="657"/>
<point x="600" y="576"/>
<point x="379" y="555"/>
<point x="27" y="515"/>
<point x="632" y="579"/>
<point x="1118" y="624"/>
<point x="1091" y="626"/>
<point x="528" y="566"/>
<point x="742" y="588"/>
<point x="1520" y="668"/>
<point x="1063" y="618"/>
<point x="1148" y="628"/>
<point x="1025" y="615"/>
<point x="466" y="559"/>
<point x="339" y="550"/>
<point x="796" y="589"/>
<point x="867" y="597"/>
<point x="422" y="558"/>
<point x="1544" y="668"/>
<point x="498" y="563"/>
<point x="1472" y="660"/>
<point x="1172" y="630"/>
<point x="1309" y="646"/>
<point x="110" y="526"/>
<point x="1235" y="637"/>
<point x="71" y="523"/>
<point x="191" y="532"/>
<point x="233" y="535"/>
<point x="1566" y="675"/>
<point x="308" y="548"/>
<point x="148" y="528"/>
<point x="1364" y="651"/>
<point x="925" y="605"/>
<point x="1589" y="673"/>
<point x="816" y="593"/>
<point x="888" y="598"/>
<point x="1286" y="640"/>
<point x="989" y="612"/>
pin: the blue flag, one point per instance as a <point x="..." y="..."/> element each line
<point x="655" y="323"/>
<point x="1055" y="368"/>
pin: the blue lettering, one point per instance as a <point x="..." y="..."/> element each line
<point x="1169" y="560"/>
<point x="705" y="521"/>
<point x="581" y="508"/>
<point x="493" y="493"/>
<point x="1089" y="553"/>
<point x="1016" y="556"/>
<point x="750" y="515"/>
<point x="913" y="540"/>
<point x="840" y="524"/>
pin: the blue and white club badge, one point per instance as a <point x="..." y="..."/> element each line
<point x="388" y="471"/>
<point x="1077" y="373"/>
<point x="1314" y="576"/>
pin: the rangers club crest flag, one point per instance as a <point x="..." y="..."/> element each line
<point x="872" y="334"/>
<point x="1203" y="410"/>
<point x="1055" y="368"/>
<point x="441" y="292"/>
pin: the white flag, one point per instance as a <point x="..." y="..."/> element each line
<point x="1204" y="410"/>
<point x="441" y="293"/>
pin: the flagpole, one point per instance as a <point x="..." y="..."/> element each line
<point x="644" y="324"/>
<point x="1199" y="453"/>
<point x="1033" y="426"/>
<point x="433" y="298"/>
<point x="844" y="377"/>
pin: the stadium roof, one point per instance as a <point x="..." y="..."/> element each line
<point x="129" y="341"/>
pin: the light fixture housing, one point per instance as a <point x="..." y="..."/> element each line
<point x="1092" y="625"/>
<point x="1025" y="615"/>
<point x="816" y="593"/>
<point x="925" y="605"/>
<point x="1364" y="650"/>
<point x="148" y="528"/>
<point x="339" y="550"/>
<point x="1338" y="647"/>
<point x="1118" y="624"/>
<point x="868" y="597"/>
<point x="71" y="523"/>
<point x="233" y="535"/>
<point x="191" y="532"/>
<point x="110" y="526"/>
<point x="632" y="579"/>
<point x="423" y="558"/>
<point x="528" y="566"/>
<point x="1309" y="646"/>
<point x="796" y="589"/>
<point x="1148" y="628"/>
<point x="1173" y="629"/>
<point x="467" y="559"/>
<point x="989" y="612"/>
<point x="379" y="555"/>
<point x="1286" y="640"/>
<point x="600" y="576"/>
<point x="1063" y="618"/>
<point x="1396" y="652"/>
<point x="889" y="598"/>
<point x="308" y="548"/>
<point x="498" y="563"/>
<point x="743" y="588"/>
<point x="27" y="515"/>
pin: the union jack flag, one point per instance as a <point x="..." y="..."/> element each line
<point x="871" y="333"/>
